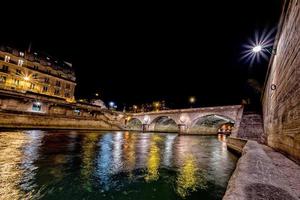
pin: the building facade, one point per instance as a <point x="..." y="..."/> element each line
<point x="26" y="72"/>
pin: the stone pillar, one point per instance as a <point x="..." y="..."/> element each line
<point x="181" y="128"/>
<point x="145" y="127"/>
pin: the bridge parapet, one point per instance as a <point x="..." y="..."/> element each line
<point x="186" y="118"/>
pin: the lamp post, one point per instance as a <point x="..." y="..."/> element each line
<point x="192" y="101"/>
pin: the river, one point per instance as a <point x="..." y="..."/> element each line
<point x="58" y="164"/>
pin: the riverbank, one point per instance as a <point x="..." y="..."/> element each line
<point x="263" y="173"/>
<point x="30" y="120"/>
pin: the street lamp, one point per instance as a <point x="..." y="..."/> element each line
<point x="192" y="101"/>
<point x="257" y="48"/>
<point x="111" y="104"/>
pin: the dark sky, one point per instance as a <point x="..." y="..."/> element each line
<point x="140" y="53"/>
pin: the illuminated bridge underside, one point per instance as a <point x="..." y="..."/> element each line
<point x="195" y="120"/>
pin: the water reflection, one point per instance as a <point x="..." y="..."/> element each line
<point x="104" y="160"/>
<point x="187" y="181"/>
<point x="112" y="165"/>
<point x="129" y="151"/>
<point x="154" y="159"/>
<point x="10" y="156"/>
<point x="89" y="150"/>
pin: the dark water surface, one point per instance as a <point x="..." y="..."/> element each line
<point x="112" y="165"/>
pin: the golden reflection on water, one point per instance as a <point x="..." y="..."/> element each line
<point x="11" y="156"/>
<point x="154" y="159"/>
<point x="188" y="179"/>
<point x="88" y="154"/>
<point x="129" y="151"/>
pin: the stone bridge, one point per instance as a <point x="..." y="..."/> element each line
<point x="194" y="120"/>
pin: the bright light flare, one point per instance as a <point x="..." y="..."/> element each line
<point x="257" y="47"/>
<point x="26" y="78"/>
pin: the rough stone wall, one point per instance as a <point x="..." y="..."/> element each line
<point x="251" y="127"/>
<point x="281" y="106"/>
<point x="34" y="120"/>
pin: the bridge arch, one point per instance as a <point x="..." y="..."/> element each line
<point x="163" y="124"/>
<point x="134" y="124"/>
<point x="210" y="123"/>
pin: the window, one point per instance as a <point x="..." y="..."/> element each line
<point x="67" y="95"/>
<point x="67" y="86"/>
<point x="56" y="92"/>
<point x="32" y="86"/>
<point x="36" y="106"/>
<point x="36" y="67"/>
<point x="57" y="83"/>
<point x="16" y="82"/>
<point x="2" y="79"/>
<point x="7" y="59"/>
<point x="35" y="76"/>
<point x="18" y="72"/>
<point x="48" y="71"/>
<point x="46" y="80"/>
<point x="20" y="62"/>
<point x="5" y="68"/>
<point x="21" y="53"/>
<point x="45" y="89"/>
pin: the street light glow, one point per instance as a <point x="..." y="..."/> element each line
<point x="192" y="99"/>
<point x="111" y="104"/>
<point x="257" y="48"/>
<point x="26" y="78"/>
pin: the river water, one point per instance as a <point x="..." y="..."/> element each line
<point x="59" y="164"/>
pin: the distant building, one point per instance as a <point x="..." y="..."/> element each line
<point x="148" y="107"/>
<point x="98" y="102"/>
<point x="26" y="72"/>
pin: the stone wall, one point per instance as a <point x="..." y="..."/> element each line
<point x="45" y="121"/>
<point x="281" y="98"/>
<point x="251" y="127"/>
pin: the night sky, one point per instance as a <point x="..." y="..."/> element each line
<point x="134" y="55"/>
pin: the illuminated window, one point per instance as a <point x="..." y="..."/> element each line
<point x="32" y="86"/>
<point x="67" y="86"/>
<point x="36" y="106"/>
<point x="21" y="53"/>
<point x="35" y="76"/>
<point x="20" y="62"/>
<point x="16" y="82"/>
<point x="2" y="79"/>
<point x="7" y="59"/>
<point x="67" y="95"/>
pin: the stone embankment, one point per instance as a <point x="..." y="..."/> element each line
<point x="46" y="121"/>
<point x="262" y="173"/>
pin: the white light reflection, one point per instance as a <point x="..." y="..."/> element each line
<point x="31" y="154"/>
<point x="117" y="152"/>
<point x="168" y="151"/>
<point x="104" y="160"/>
<point x="143" y="148"/>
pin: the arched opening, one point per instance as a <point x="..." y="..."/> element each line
<point x="211" y="124"/>
<point x="134" y="124"/>
<point x="164" y="124"/>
